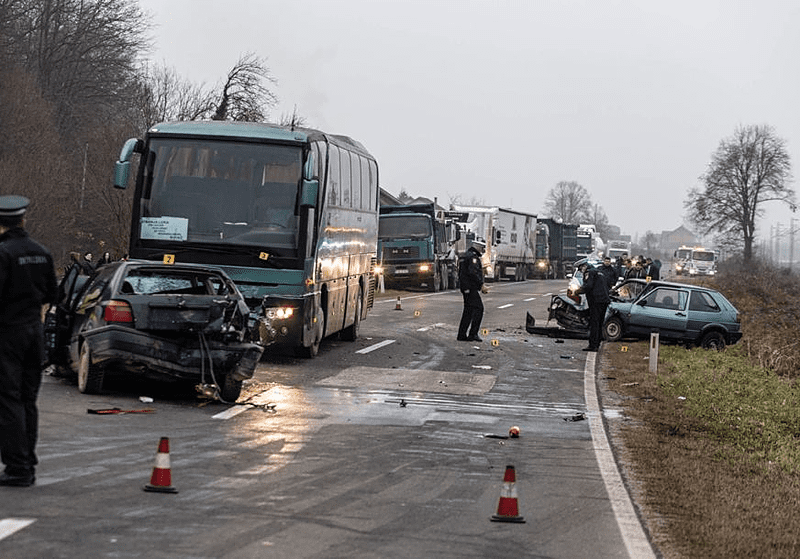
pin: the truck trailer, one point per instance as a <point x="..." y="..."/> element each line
<point x="509" y="237"/>
<point x="562" y="248"/>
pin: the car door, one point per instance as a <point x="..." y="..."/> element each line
<point x="662" y="309"/>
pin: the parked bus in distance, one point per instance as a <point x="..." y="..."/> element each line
<point x="291" y="214"/>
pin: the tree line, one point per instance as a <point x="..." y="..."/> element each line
<point x="75" y="83"/>
<point x="748" y="169"/>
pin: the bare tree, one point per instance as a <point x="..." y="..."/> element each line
<point x="167" y="96"/>
<point x="600" y="219"/>
<point x="568" y="202"/>
<point x="245" y="96"/>
<point x="749" y="168"/>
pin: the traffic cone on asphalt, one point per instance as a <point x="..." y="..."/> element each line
<point x="507" y="508"/>
<point x="161" y="480"/>
<point x="397" y="305"/>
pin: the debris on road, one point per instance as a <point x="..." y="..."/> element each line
<point x="576" y="417"/>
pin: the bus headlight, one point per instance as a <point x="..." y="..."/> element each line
<point x="378" y="270"/>
<point x="424" y="268"/>
<point x="279" y="313"/>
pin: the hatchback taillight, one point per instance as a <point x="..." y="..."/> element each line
<point x="118" y="311"/>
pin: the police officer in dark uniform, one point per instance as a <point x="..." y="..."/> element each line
<point x="27" y="282"/>
<point x="470" y="278"/>
<point x="595" y="286"/>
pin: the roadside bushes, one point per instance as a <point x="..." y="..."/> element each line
<point x="769" y="302"/>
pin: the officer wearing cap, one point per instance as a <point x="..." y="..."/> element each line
<point x="27" y="282"/>
<point x="470" y="278"/>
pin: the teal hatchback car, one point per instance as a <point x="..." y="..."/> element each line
<point x="679" y="312"/>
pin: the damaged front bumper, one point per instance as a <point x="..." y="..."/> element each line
<point x="181" y="359"/>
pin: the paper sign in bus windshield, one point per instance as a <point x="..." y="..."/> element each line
<point x="164" y="228"/>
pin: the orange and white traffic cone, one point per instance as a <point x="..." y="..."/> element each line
<point x="398" y="306"/>
<point x="507" y="508"/>
<point x="161" y="480"/>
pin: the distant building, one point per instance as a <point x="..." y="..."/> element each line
<point x="671" y="240"/>
<point x="387" y="199"/>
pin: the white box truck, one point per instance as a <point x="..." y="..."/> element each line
<point x="509" y="237"/>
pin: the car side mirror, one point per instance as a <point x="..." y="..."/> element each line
<point x="642" y="303"/>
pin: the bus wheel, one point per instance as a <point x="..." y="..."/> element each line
<point x="350" y="333"/>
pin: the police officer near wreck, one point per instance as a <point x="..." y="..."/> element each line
<point x="27" y="282"/>
<point x="470" y="278"/>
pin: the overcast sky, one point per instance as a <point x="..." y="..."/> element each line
<point x="497" y="101"/>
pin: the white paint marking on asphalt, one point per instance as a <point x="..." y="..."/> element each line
<point x="530" y="299"/>
<point x="431" y="327"/>
<point x="230" y="412"/>
<point x="373" y="347"/>
<point x="10" y="525"/>
<point x="506" y="306"/>
<point x="629" y="525"/>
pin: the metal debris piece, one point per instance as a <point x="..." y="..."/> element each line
<point x="576" y="417"/>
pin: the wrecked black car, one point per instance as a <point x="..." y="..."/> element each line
<point x="167" y="322"/>
<point x="571" y="311"/>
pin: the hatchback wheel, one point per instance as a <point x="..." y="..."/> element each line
<point x="613" y="329"/>
<point x="713" y="340"/>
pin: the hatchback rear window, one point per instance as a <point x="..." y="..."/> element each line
<point x="702" y="301"/>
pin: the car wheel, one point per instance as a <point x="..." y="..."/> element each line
<point x="713" y="340"/>
<point x="613" y="329"/>
<point x="230" y="389"/>
<point x="90" y="376"/>
<point x="350" y="333"/>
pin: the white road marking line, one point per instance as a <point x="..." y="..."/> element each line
<point x="230" y="412"/>
<point x="506" y="306"/>
<point x="629" y="525"/>
<point x="530" y="299"/>
<point x="373" y="347"/>
<point x="431" y="327"/>
<point x="10" y="525"/>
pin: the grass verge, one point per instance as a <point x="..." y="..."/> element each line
<point x="710" y="450"/>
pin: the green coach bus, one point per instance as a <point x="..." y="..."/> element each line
<point x="291" y="214"/>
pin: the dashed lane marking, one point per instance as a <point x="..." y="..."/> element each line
<point x="230" y="412"/>
<point x="506" y="306"/>
<point x="373" y="347"/>
<point x="10" y="525"/>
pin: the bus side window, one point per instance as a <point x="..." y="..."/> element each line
<point x="345" y="175"/>
<point x="355" y="179"/>
<point x="365" y="189"/>
<point x="333" y="176"/>
<point x="373" y="185"/>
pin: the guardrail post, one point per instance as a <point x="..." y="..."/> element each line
<point x="654" y="352"/>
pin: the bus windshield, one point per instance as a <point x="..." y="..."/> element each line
<point x="221" y="192"/>
<point x="405" y="227"/>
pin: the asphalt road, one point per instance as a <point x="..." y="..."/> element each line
<point x="383" y="447"/>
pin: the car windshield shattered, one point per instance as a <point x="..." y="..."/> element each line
<point x="150" y="282"/>
<point x="628" y="291"/>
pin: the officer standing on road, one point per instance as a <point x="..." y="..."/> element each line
<point x="470" y="279"/>
<point x="27" y="282"/>
<point x="595" y="286"/>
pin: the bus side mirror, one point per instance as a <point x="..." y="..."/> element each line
<point x="122" y="167"/>
<point x="308" y="193"/>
